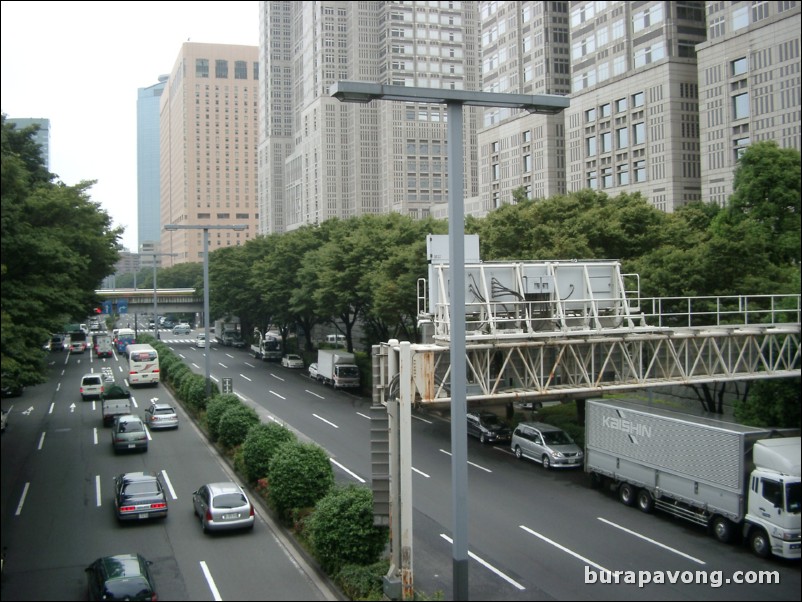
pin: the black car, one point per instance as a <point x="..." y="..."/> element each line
<point x="487" y="427"/>
<point x="121" y="577"/>
<point x="139" y="495"/>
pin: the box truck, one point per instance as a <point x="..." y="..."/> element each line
<point x="337" y="368"/>
<point x="730" y="478"/>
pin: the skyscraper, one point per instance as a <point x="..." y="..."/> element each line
<point x="42" y="137"/>
<point x="147" y="168"/>
<point x="208" y="149"/>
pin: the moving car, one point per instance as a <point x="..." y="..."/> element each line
<point x="223" y="506"/>
<point x="139" y="495"/>
<point x="487" y="427"/>
<point x="92" y="386"/>
<point x="121" y="577"/>
<point x="292" y="361"/>
<point x="161" y="416"/>
<point x="129" y="433"/>
<point x="182" y="328"/>
<point x="200" y="340"/>
<point x="57" y="342"/>
<point x="549" y="445"/>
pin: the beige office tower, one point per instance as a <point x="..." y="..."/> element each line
<point x="749" y="85"/>
<point x="320" y="158"/>
<point x="209" y="136"/>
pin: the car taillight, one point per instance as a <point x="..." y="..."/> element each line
<point x="209" y="515"/>
<point x="251" y="512"/>
<point x="156" y="370"/>
<point x="127" y="508"/>
<point x="158" y="506"/>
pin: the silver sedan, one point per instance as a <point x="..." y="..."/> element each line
<point x="223" y="506"/>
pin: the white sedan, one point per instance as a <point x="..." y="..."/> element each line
<point x="313" y="373"/>
<point x="200" y="340"/>
<point x="292" y="361"/>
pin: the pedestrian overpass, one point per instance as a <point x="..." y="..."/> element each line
<point x="141" y="300"/>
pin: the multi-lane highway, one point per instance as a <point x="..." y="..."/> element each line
<point x="533" y="534"/>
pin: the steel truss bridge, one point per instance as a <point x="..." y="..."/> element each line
<point x="539" y="341"/>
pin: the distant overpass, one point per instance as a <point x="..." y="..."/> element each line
<point x="140" y="300"/>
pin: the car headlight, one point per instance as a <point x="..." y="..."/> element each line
<point x="556" y="454"/>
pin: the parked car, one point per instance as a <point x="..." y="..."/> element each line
<point x="139" y="495"/>
<point x="292" y="361"/>
<point x="487" y="427"/>
<point x="161" y="416"/>
<point x="313" y="374"/>
<point x="92" y="386"/>
<point x="128" y="433"/>
<point x="182" y="328"/>
<point x="549" y="445"/>
<point x="200" y="340"/>
<point x="223" y="506"/>
<point x="121" y="577"/>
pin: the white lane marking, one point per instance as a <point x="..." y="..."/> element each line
<point x="246" y="378"/>
<point x="448" y="453"/>
<point x="487" y="565"/>
<point x="326" y="421"/>
<point x="250" y="365"/>
<point x="98" y="497"/>
<point x="563" y="548"/>
<point x="276" y="377"/>
<point x="277" y="395"/>
<point x="422" y="419"/>
<point x="210" y="581"/>
<point x="315" y="394"/>
<point x="223" y="365"/>
<point x="52" y="407"/>
<point x="350" y="472"/>
<point x="169" y="485"/>
<point x="420" y="472"/>
<point x="41" y="442"/>
<point x="657" y="543"/>
<point x="22" y="499"/>
<point x="94" y="435"/>
<point x="363" y="415"/>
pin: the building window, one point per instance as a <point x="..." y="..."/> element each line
<point x="201" y="67"/>
<point x="740" y="106"/>
<point x="527" y="163"/>
<point x="647" y="18"/>
<point x="739" y="66"/>
<point x="607" y="177"/>
<point x="637" y="99"/>
<point x="620" y="105"/>
<point x="590" y="115"/>
<point x="604" y="110"/>
<point x="221" y="69"/>
<point x="526" y="135"/>
<point x="740" y="18"/>
<point x="622" y="137"/>
<point x="639" y="133"/>
<point x="740" y="147"/>
<point x="640" y="171"/>
<point x="606" y="140"/>
<point x="623" y="175"/>
<point x="240" y="70"/>
<point x="760" y="11"/>
<point x="591" y="146"/>
<point x="593" y="182"/>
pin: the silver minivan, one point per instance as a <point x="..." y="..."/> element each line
<point x="547" y="444"/>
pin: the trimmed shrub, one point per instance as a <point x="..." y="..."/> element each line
<point x="341" y="529"/>
<point x="234" y="425"/>
<point x="260" y="446"/>
<point x="300" y="475"/>
<point x="178" y="374"/>
<point x="193" y="391"/>
<point x="215" y="409"/>
<point x="359" y="582"/>
<point x="167" y="365"/>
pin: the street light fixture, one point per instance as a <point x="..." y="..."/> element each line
<point x="549" y="104"/>
<point x="237" y="227"/>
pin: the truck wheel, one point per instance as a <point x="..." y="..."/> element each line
<point x="645" y="501"/>
<point x="759" y="542"/>
<point x="626" y="493"/>
<point x="723" y="529"/>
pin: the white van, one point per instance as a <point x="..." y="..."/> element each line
<point x="143" y="365"/>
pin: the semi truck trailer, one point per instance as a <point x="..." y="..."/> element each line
<point x="732" y="479"/>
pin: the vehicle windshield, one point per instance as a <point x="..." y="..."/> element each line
<point x="146" y="488"/>
<point x="557" y="438"/>
<point x="229" y="500"/>
<point x="792" y="497"/>
<point x="491" y="419"/>
<point x="349" y="372"/>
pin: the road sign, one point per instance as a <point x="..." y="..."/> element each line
<point x="122" y="306"/>
<point x="228" y="384"/>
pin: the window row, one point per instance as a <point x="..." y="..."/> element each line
<point x="606" y="178"/>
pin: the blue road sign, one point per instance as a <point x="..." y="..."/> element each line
<point x="122" y="306"/>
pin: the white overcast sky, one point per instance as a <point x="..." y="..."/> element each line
<point x="80" y="64"/>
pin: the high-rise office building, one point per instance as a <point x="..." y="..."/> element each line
<point x="320" y="158"/>
<point x="42" y="137"/>
<point x="749" y="85"/>
<point x="147" y="171"/>
<point x="208" y="152"/>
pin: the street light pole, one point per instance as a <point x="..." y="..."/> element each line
<point x="155" y="315"/>
<point x="173" y="227"/>
<point x="365" y="92"/>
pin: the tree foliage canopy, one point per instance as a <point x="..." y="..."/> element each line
<point x="57" y="245"/>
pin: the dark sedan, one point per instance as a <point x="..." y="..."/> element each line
<point x="139" y="495"/>
<point x="121" y="577"/>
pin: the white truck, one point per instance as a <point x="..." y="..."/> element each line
<point x="720" y="475"/>
<point x="337" y="368"/>
<point x="266" y="347"/>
